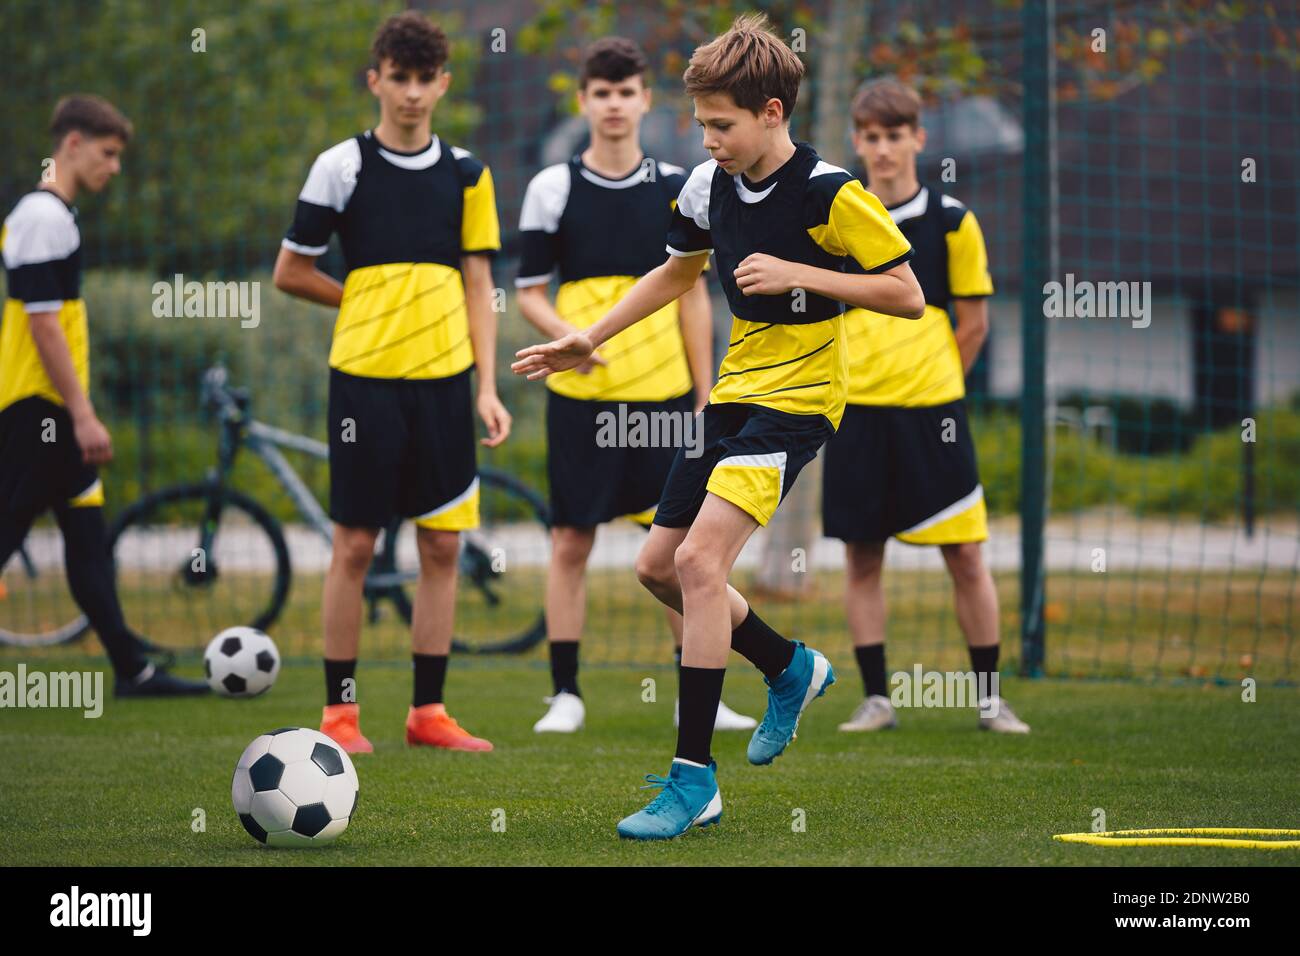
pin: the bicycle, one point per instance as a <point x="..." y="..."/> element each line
<point x="176" y="533"/>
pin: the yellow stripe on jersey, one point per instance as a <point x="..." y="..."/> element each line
<point x="801" y="369"/>
<point x="402" y="320"/>
<point x="903" y="364"/>
<point x="963" y="522"/>
<point x="647" y="361"/>
<point x="968" y="260"/>
<point x="858" y="225"/>
<point x="22" y="375"/>
<point x="459" y="514"/>
<point x="480" y="229"/>
<point x="918" y="364"/>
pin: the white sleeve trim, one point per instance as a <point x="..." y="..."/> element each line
<point x="52" y="306"/>
<point x="303" y="250"/>
<point x="681" y="254"/>
<point x="40" y="229"/>
<point x="544" y="200"/>
<point x="693" y="203"/>
<point x="523" y="282"/>
<point x="333" y="176"/>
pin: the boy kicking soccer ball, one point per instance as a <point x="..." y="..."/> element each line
<point x="780" y="222"/>
<point x="903" y="462"/>
<point x="599" y="220"/>
<point x="417" y="220"/>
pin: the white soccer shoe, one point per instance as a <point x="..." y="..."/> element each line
<point x="874" y="713"/>
<point x="727" y="719"/>
<point x="1003" y="719"/>
<point x="566" y="715"/>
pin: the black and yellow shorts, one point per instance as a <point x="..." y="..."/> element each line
<point x="40" y="462"/>
<point x="593" y="479"/>
<point x="751" y="457"/>
<point x="905" y="473"/>
<point x="402" y="447"/>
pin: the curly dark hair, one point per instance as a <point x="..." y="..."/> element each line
<point x="411" y="41"/>
<point x="613" y="59"/>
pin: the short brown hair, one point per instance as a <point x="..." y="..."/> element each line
<point x="613" y="59"/>
<point x="412" y="41"/>
<point x="887" y="101"/>
<point x="750" y="63"/>
<point x="89" y="115"/>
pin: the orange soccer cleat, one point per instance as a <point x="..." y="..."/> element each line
<point x="341" y="723"/>
<point x="431" y="726"/>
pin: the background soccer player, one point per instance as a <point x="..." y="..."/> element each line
<point x="781" y="221"/>
<point x="600" y="219"/>
<point x="417" y="221"/>
<point x="903" y="462"/>
<point x="51" y="440"/>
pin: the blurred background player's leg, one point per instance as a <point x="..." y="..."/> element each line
<point x="90" y="579"/>
<point x="566" y="612"/>
<point x="428" y="722"/>
<point x="350" y="555"/>
<point x="864" y="609"/>
<point x="976" y="601"/>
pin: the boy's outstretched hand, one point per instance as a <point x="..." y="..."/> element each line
<point x="539" y="361"/>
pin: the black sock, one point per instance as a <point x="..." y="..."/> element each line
<point x="984" y="662"/>
<point x="336" y="672"/>
<point x="871" y="662"/>
<point x="430" y="673"/>
<point x="701" y="690"/>
<point x="89" y="571"/>
<point x="677" y="660"/>
<point x="564" y="667"/>
<point x="763" y="647"/>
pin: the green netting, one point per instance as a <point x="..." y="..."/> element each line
<point x="1167" y="158"/>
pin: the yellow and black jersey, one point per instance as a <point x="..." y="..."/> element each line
<point x="915" y="364"/>
<point x="42" y="257"/>
<point x="785" y="352"/>
<point x="404" y="220"/>
<point x="600" y="235"/>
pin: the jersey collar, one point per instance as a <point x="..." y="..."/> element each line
<point x="637" y="175"/>
<point x="910" y="208"/>
<point x="420" y="159"/>
<point x="758" y="191"/>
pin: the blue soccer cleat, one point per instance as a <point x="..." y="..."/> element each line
<point x="807" y="678"/>
<point x="690" y="798"/>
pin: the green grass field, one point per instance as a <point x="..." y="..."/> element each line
<point x="121" y="789"/>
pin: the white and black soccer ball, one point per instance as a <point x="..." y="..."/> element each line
<point x="241" y="662"/>
<point x="294" y="787"/>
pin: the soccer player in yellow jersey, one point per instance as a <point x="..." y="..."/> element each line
<point x="902" y="464"/>
<point x="597" y="223"/>
<point x="781" y="223"/>
<point x="51" y="439"/>
<point x="417" y="221"/>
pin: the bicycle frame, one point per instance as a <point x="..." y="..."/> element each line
<point x="265" y="442"/>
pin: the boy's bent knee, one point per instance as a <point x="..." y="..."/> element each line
<point x="698" y="566"/>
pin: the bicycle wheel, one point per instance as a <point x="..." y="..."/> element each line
<point x="36" y="607"/>
<point x="192" y="560"/>
<point x="502" y="587"/>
